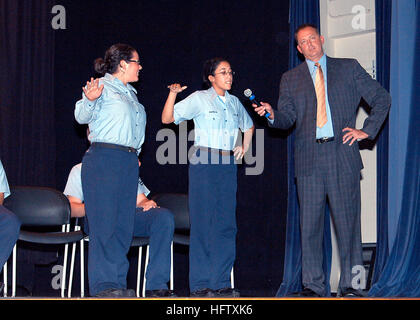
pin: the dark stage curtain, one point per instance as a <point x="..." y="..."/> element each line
<point x="27" y="111"/>
<point x="401" y="273"/>
<point x="173" y="40"/>
<point x="27" y="130"/>
<point x="300" y="11"/>
<point x="383" y="45"/>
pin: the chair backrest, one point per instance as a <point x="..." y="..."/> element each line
<point x="177" y="203"/>
<point x="38" y="206"/>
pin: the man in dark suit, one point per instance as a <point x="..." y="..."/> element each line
<point x="321" y="97"/>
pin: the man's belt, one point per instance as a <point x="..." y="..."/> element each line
<point x="324" y="139"/>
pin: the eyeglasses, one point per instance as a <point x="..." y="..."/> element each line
<point x="136" y="61"/>
<point x="225" y="73"/>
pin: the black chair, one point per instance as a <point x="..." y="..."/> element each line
<point x="177" y="203"/>
<point x="42" y="207"/>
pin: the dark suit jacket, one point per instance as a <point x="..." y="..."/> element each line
<point x="347" y="82"/>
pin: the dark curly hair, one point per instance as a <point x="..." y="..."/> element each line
<point x="113" y="56"/>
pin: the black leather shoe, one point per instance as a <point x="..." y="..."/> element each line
<point x="351" y="293"/>
<point x="116" y="293"/>
<point x="307" y="292"/>
<point x="202" y="293"/>
<point x="162" y="293"/>
<point x="227" y="292"/>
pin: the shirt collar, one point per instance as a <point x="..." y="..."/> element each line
<point x="118" y="82"/>
<point x="322" y="62"/>
<point x="215" y="95"/>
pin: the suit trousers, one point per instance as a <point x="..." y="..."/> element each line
<point x="212" y="207"/>
<point x="9" y="233"/>
<point x="109" y="183"/>
<point x="342" y="191"/>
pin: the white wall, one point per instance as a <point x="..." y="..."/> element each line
<point x="348" y="27"/>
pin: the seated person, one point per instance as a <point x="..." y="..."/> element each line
<point x="9" y="224"/>
<point x="150" y="221"/>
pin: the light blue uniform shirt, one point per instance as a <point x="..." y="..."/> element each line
<point x="327" y="129"/>
<point x="74" y="184"/>
<point x="115" y="117"/>
<point x="216" y="122"/>
<point x="4" y="185"/>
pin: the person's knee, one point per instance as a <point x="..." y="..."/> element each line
<point x="12" y="224"/>
<point x="166" y="220"/>
<point x="16" y="223"/>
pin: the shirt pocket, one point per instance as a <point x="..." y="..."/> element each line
<point x="213" y="120"/>
<point x="234" y="121"/>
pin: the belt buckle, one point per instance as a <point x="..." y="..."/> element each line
<point x="322" y="140"/>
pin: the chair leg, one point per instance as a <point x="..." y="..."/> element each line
<point x="71" y="272"/>
<point x="73" y="253"/>
<point x="5" y="279"/>
<point x="232" y="281"/>
<point x="139" y="272"/>
<point x="14" y="273"/>
<point x="65" y="228"/>
<point x="171" y="280"/>
<point x="82" y="268"/>
<point x="63" y="282"/>
<point x="145" y="270"/>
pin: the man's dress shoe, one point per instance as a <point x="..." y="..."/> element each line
<point x="351" y="293"/>
<point x="307" y="292"/>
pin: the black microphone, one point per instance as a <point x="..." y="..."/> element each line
<point x="251" y="97"/>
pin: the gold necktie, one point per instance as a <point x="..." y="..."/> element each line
<point x="321" y="111"/>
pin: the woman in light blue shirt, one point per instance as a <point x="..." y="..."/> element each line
<point x="110" y="167"/>
<point x="217" y="116"/>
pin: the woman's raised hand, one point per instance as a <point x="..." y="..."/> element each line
<point x="92" y="89"/>
<point x="176" y="88"/>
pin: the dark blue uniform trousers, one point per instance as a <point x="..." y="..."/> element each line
<point x="212" y="208"/>
<point x="158" y="224"/>
<point x="109" y="183"/>
<point x="9" y="233"/>
<point x="342" y="189"/>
